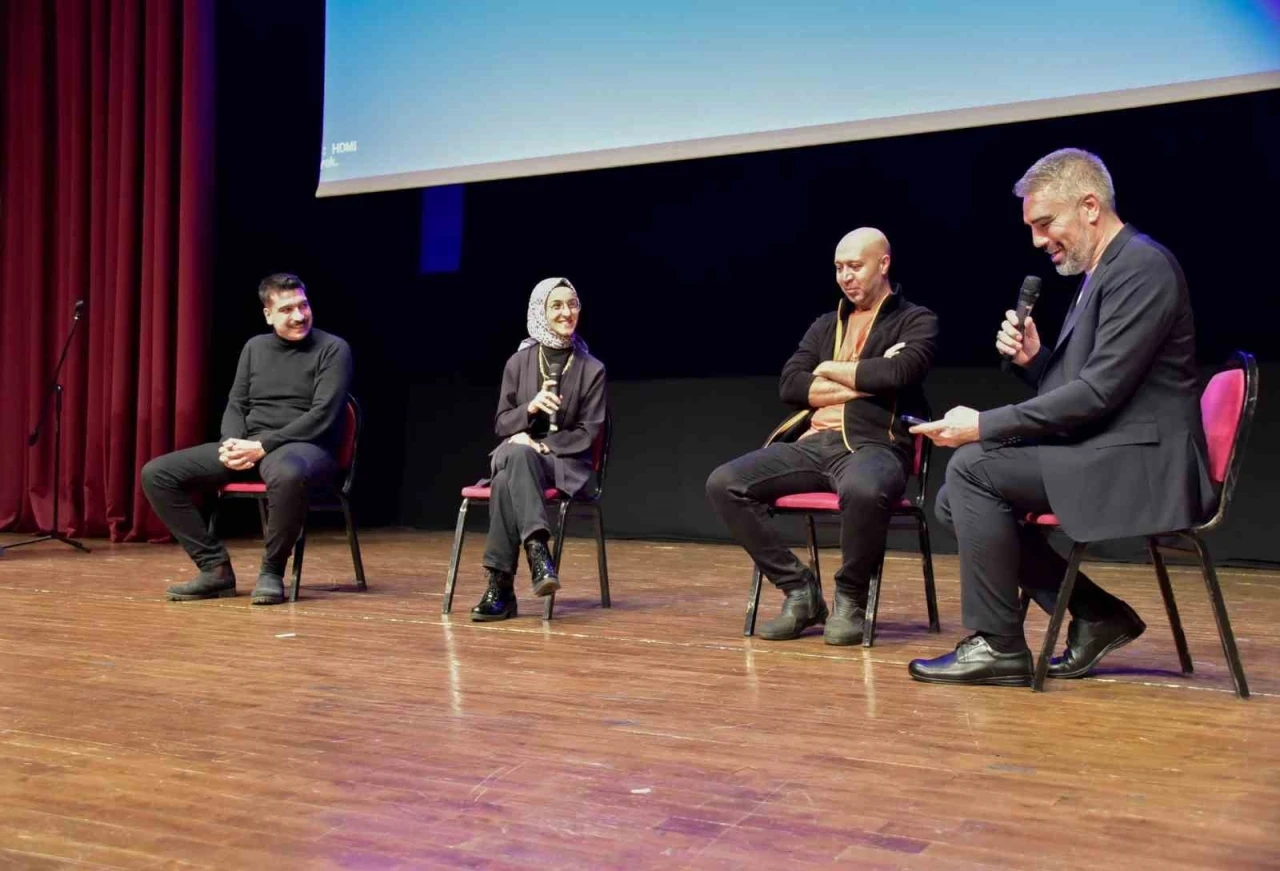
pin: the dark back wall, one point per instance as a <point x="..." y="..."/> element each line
<point x="697" y="278"/>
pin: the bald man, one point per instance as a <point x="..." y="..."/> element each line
<point x="857" y="370"/>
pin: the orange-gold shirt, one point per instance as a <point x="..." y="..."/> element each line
<point x="832" y="416"/>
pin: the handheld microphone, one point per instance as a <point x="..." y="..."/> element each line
<point x="1027" y="296"/>
<point x="553" y="380"/>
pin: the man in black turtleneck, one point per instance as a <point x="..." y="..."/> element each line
<point x="281" y="424"/>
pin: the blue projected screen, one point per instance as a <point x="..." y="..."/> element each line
<point x="426" y="93"/>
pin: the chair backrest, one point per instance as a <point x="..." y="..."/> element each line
<point x="920" y="467"/>
<point x="348" y="441"/>
<point x="1226" y="409"/>
<point x="600" y="453"/>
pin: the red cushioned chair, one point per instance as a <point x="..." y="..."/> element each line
<point x="333" y="501"/>
<point x="1226" y="406"/>
<point x="911" y="510"/>
<point x="588" y="502"/>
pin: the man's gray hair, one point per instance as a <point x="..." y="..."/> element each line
<point x="1070" y="173"/>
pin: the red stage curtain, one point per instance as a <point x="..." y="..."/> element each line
<point x="106" y="122"/>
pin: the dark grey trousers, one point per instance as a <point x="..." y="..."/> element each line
<point x="985" y="495"/>
<point x="869" y="481"/>
<point x="517" y="509"/>
<point x="290" y="472"/>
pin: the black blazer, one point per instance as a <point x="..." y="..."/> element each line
<point x="581" y="417"/>
<point x="1117" y="411"/>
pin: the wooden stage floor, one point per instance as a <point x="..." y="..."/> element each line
<point x="366" y="731"/>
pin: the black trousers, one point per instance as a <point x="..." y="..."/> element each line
<point x="517" y="509"/>
<point x="868" y="480"/>
<point x="291" y="472"/>
<point x="985" y="495"/>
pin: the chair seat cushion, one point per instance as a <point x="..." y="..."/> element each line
<point x="823" y="502"/>
<point x="477" y="492"/>
<point x="1043" y="519"/>
<point x="253" y="488"/>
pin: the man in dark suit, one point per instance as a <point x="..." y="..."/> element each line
<point x="1112" y="443"/>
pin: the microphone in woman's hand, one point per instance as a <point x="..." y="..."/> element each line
<point x="553" y="380"/>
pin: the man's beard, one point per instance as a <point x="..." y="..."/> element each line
<point x="1073" y="262"/>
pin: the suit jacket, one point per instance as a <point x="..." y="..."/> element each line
<point x="1117" y="412"/>
<point x="581" y="418"/>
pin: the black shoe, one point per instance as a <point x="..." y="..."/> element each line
<point x="499" y="599"/>
<point x="1089" y="641"/>
<point x="974" y="661"/>
<point x="206" y="585"/>
<point x="545" y="579"/>
<point x="802" y="608"/>
<point x="844" y="626"/>
<point x="268" y="591"/>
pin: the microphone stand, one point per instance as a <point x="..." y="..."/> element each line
<point x="54" y="534"/>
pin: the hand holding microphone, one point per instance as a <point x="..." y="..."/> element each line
<point x="547" y="399"/>
<point x="1018" y="340"/>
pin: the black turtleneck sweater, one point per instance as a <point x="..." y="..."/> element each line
<point x="289" y="391"/>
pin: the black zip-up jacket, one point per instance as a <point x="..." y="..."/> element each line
<point x="894" y="384"/>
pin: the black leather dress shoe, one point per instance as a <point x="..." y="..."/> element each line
<point x="1088" y="642"/>
<point x="974" y="661"/>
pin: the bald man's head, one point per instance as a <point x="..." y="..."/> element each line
<point x="862" y="266"/>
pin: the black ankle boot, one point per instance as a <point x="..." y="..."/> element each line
<point x="499" y="599"/>
<point x="802" y="608"/>
<point x="545" y="579"/>
<point x="213" y="584"/>
<point x="844" y="626"/>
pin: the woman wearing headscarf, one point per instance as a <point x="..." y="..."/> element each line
<point x="551" y="410"/>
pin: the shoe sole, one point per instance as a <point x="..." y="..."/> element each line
<point x="492" y="618"/>
<point x="267" y="600"/>
<point x="1084" y="672"/>
<point x="842" y="642"/>
<point x="196" y="597"/>
<point x="546" y="587"/>
<point x="1013" y="680"/>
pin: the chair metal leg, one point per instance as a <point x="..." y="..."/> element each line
<point x="299" y="548"/>
<point x="452" y="577"/>
<point x="873" y="605"/>
<point x="1220" y="614"/>
<point x="353" y="541"/>
<point x="812" y="533"/>
<point x="602" y="562"/>
<point x="753" y="601"/>
<point x="926" y="565"/>
<point x="1059" y="611"/>
<point x="262" y="515"/>
<point x="549" y="602"/>
<point x="1170" y="606"/>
